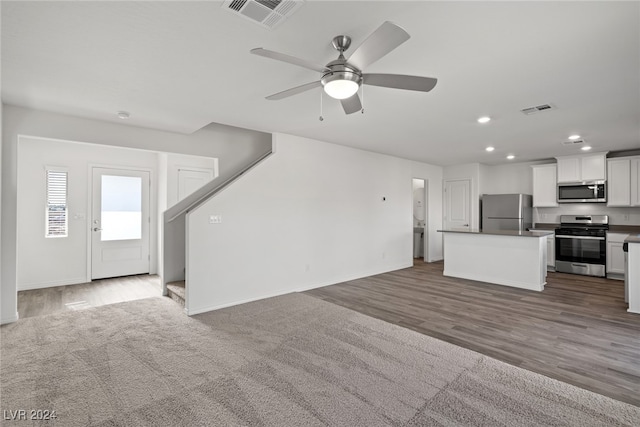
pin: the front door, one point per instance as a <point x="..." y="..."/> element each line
<point x="120" y="223"/>
<point x="457" y="205"/>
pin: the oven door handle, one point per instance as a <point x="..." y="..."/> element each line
<point x="580" y="237"/>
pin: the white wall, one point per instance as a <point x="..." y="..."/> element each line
<point x="507" y="179"/>
<point x="63" y="261"/>
<point x="617" y="216"/>
<point x="7" y="310"/>
<point x="233" y="146"/>
<point x="310" y="215"/>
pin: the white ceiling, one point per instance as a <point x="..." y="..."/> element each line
<point x="180" y="65"/>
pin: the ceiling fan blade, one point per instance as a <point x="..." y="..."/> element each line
<point x="289" y="59"/>
<point x="400" y="81"/>
<point x="387" y="37"/>
<point x="351" y="104"/>
<point x="293" y="91"/>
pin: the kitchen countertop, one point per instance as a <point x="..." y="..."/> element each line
<point x="633" y="239"/>
<point x="502" y="232"/>
<point x="631" y="229"/>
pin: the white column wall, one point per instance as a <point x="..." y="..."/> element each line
<point x="312" y="214"/>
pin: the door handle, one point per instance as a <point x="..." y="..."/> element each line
<point x="97" y="229"/>
<point x="465" y="225"/>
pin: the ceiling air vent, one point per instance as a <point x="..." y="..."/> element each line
<point x="576" y="142"/>
<point x="266" y="13"/>
<point x="537" y="109"/>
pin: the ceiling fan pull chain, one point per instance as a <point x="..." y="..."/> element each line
<point x="321" y="118"/>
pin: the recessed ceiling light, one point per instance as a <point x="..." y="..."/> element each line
<point x="123" y="115"/>
<point x="490" y="149"/>
<point x="511" y="157"/>
<point x="585" y="148"/>
<point x="484" y="119"/>
<point x="574" y="137"/>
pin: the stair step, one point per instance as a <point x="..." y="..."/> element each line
<point x="176" y="291"/>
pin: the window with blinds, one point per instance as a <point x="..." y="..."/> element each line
<point x="56" y="213"/>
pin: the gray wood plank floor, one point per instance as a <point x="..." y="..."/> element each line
<point x="577" y="330"/>
<point x="39" y="302"/>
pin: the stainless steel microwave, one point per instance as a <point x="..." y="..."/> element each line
<point x="582" y="192"/>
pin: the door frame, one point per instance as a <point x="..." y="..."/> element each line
<point x="191" y="169"/>
<point x="153" y="214"/>
<point x="425" y="249"/>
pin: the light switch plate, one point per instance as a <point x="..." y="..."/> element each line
<point x="215" y="219"/>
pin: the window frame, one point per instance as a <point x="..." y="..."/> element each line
<point x="47" y="205"/>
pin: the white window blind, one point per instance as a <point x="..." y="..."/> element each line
<point x="56" y="213"/>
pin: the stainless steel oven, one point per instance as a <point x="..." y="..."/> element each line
<point x="581" y="244"/>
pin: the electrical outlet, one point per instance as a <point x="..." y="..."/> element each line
<point x="215" y="219"/>
<point x="626" y="217"/>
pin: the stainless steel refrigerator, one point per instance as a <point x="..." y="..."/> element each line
<point x="506" y="212"/>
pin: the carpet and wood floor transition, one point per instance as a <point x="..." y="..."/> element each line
<point x="290" y="360"/>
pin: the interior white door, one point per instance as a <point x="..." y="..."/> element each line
<point x="120" y="223"/>
<point x="190" y="179"/>
<point x="457" y="212"/>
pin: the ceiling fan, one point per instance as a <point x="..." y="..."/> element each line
<point x="342" y="77"/>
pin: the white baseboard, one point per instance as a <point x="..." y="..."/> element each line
<point x="353" y="277"/>
<point x="10" y="319"/>
<point x="490" y="279"/>
<point x="42" y="285"/>
<point x="302" y="289"/>
<point x="231" y="304"/>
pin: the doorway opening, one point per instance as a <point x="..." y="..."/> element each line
<point x="420" y="234"/>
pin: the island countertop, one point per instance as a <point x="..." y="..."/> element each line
<point x="633" y="239"/>
<point x="502" y="232"/>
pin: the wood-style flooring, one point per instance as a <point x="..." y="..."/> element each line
<point x="39" y="302"/>
<point x="577" y="330"/>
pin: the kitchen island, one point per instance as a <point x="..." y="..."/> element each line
<point x="633" y="278"/>
<point x="510" y="258"/>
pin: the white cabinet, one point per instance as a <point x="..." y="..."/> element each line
<point x="635" y="181"/>
<point x="568" y="169"/>
<point x="551" y="249"/>
<point x="623" y="181"/>
<point x="615" y="255"/>
<point x="619" y="182"/>
<point x="544" y="185"/>
<point x="586" y="167"/>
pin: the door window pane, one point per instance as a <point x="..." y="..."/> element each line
<point x="121" y="214"/>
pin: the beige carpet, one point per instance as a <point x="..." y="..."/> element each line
<point x="291" y="360"/>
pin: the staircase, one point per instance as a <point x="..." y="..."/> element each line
<point x="175" y="291"/>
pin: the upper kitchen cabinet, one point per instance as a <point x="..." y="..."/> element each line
<point x="619" y="182"/>
<point x="623" y="181"/>
<point x="635" y="181"/>
<point x="586" y="167"/>
<point x="544" y="185"/>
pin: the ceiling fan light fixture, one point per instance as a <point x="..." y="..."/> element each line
<point x="341" y="85"/>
